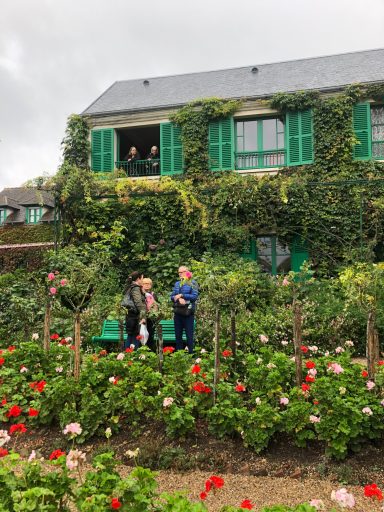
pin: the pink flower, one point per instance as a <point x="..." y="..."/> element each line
<point x="349" y="343"/>
<point x="284" y="400"/>
<point x="343" y="498"/>
<point x="74" y="429"/>
<point x="59" y="369"/>
<point x="370" y="385"/>
<point x="120" y="356"/>
<point x="167" y="402"/>
<point x="312" y="372"/>
<point x="339" y="350"/>
<point x="32" y="456"/>
<point x="23" y="369"/>
<point x="188" y="274"/>
<point x="367" y="411"/>
<point x="53" y="290"/>
<point x="74" y="458"/>
<point x="63" y="282"/>
<point x="382" y="403"/>
<point x="314" y="419"/>
<point x="51" y="276"/>
<point x="264" y="339"/>
<point x="4" y="437"/>
<point x="317" y="504"/>
<point x="285" y="282"/>
<point x="336" y="368"/>
<point x="313" y="348"/>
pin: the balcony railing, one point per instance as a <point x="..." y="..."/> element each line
<point x="260" y="159"/>
<point x="139" y="167"/>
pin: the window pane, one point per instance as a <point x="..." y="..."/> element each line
<point x="240" y="144"/>
<point x="280" y="141"/>
<point x="378" y="132"/>
<point x="250" y="135"/>
<point x="239" y="128"/>
<point x="377" y="115"/>
<point x="269" y="134"/>
<point x="283" y="258"/>
<point x="264" y="253"/>
<point x="378" y="150"/>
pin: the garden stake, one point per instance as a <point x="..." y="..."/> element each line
<point x="47" y="325"/>
<point x="372" y="345"/>
<point x="161" y="354"/>
<point x="76" y="369"/>
<point x="217" y="354"/>
<point x="233" y="331"/>
<point x="121" y="335"/>
<point x="297" y="324"/>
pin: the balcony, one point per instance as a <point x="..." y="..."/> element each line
<point x="139" y="168"/>
<point x="260" y="159"/>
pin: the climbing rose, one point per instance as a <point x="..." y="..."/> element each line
<point x="23" y="369"/>
<point x="343" y="498"/>
<point x="55" y="336"/>
<point x="129" y="350"/>
<point x="56" y="454"/>
<point x="33" y="412"/>
<point x="310" y="364"/>
<point x="246" y="504"/>
<point x="35" y="336"/>
<point x="309" y="378"/>
<point x="305" y="387"/>
<point x="32" y="456"/>
<point x="53" y="290"/>
<point x="63" y="282"/>
<point x="349" y="343"/>
<point x="312" y="372"/>
<point x="115" y="503"/>
<point x="227" y="353"/>
<point x="18" y="427"/>
<point x="304" y="349"/>
<point x="200" y="387"/>
<point x="73" y="428"/>
<point x="380" y="363"/>
<point x="51" y="276"/>
<point x="11" y="348"/>
<point x="339" y="350"/>
<point x="3" y="452"/>
<point x="188" y="274"/>
<point x="372" y="491"/>
<point x="14" y="412"/>
<point x="285" y="282"/>
<point x="59" y="369"/>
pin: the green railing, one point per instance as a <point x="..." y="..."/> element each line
<point x="260" y="159"/>
<point x="139" y="167"/>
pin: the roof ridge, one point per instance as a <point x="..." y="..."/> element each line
<point x="237" y="67"/>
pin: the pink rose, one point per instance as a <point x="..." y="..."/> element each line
<point x="53" y="290"/>
<point x="63" y="282"/>
<point x="51" y="276"/>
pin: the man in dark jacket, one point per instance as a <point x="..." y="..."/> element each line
<point x="184" y="296"/>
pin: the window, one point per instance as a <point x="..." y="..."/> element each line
<point x="272" y="256"/>
<point x="377" y="124"/>
<point x="2" y="216"/>
<point x="260" y="143"/>
<point x="33" y="215"/>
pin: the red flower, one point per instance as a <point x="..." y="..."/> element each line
<point x="38" y="386"/>
<point x="56" y="454"/>
<point x="309" y="378"/>
<point x="139" y="337"/>
<point x="11" y="348"/>
<point x="63" y="341"/>
<point x="169" y="350"/>
<point x="3" y="402"/>
<point x="203" y="495"/>
<point x="200" y="387"/>
<point x="55" y="336"/>
<point x="196" y="368"/>
<point x="217" y="481"/>
<point x="115" y="503"/>
<point x="304" y="349"/>
<point x="227" y="353"/>
<point x="72" y="347"/>
<point x="240" y="388"/>
<point x="18" y="427"/>
<point x="129" y="349"/>
<point x="2" y="361"/>
<point x="310" y="365"/>
<point x="380" y="363"/>
<point x="372" y="491"/>
<point x="103" y="352"/>
<point x="33" y="412"/>
<point x="364" y="373"/>
<point x="305" y="387"/>
<point x="246" y="504"/>
<point x="3" y="452"/>
<point x="208" y="485"/>
<point x="315" y="402"/>
<point x="14" y="412"/>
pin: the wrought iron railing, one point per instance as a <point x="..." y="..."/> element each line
<point x="260" y="159"/>
<point x="139" y="167"/>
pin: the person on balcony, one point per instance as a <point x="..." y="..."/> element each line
<point x="132" y="158"/>
<point x="154" y="158"/>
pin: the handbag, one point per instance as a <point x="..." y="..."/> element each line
<point x="128" y="303"/>
<point x="183" y="309"/>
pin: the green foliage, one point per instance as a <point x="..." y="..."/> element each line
<point x="26" y="234"/>
<point x="75" y="144"/>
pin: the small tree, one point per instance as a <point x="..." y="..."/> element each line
<point x="75" y="144"/>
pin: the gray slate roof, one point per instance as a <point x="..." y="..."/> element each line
<point x="321" y="73"/>
<point x="19" y="198"/>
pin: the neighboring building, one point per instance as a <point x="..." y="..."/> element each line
<point x="27" y="206"/>
<point x="256" y="140"/>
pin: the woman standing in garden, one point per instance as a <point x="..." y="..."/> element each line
<point x="150" y="300"/>
<point x="184" y="296"/>
<point x="136" y="309"/>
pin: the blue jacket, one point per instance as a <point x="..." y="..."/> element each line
<point x="190" y="292"/>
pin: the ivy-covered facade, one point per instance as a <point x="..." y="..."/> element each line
<point x="302" y="126"/>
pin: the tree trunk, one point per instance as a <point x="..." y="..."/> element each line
<point x="47" y="326"/>
<point x="217" y="354"/>
<point x="76" y="369"/>
<point x="121" y="335"/>
<point x="161" y="346"/>
<point x="372" y="345"/>
<point x="297" y="325"/>
<point x="233" y="331"/>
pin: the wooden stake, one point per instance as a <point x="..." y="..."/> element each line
<point x="233" y="331"/>
<point x="121" y="335"/>
<point x="76" y="369"/>
<point x="372" y="342"/>
<point x="217" y="354"/>
<point x="161" y="346"/>
<point x="47" y="326"/>
<point x="297" y="340"/>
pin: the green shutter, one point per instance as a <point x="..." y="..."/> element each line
<point x="250" y="250"/>
<point x="362" y="129"/>
<point x="299" y="254"/>
<point x="171" y="149"/>
<point x="221" y="145"/>
<point x="102" y="143"/>
<point x="299" y="137"/>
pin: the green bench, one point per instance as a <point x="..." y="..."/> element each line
<point x="110" y="332"/>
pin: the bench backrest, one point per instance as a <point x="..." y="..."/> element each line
<point x="110" y="327"/>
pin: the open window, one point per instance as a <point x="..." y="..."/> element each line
<point x="143" y="139"/>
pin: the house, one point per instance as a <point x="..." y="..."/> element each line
<point x="25" y="206"/>
<point x="255" y="140"/>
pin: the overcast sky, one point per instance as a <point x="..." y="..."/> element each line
<point x="58" y="56"/>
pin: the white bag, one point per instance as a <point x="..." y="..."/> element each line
<point x="144" y="334"/>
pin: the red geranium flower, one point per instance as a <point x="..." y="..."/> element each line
<point x="72" y="347"/>
<point x="196" y="368"/>
<point x="168" y="350"/>
<point x="200" y="387"/>
<point x="33" y="412"/>
<point x="309" y="378"/>
<point x="372" y="491"/>
<point x="63" y="341"/>
<point x="3" y="452"/>
<point x="11" y="348"/>
<point x="208" y="485"/>
<point x="227" y="353"/>
<point x="139" y="337"/>
<point x="38" y="386"/>
<point x="14" y="412"/>
<point x="115" y="503"/>
<point x="310" y="365"/>
<point x="305" y="387"/>
<point x="364" y="373"/>
<point x="217" y="481"/>
<point x="55" y="336"/>
<point x="203" y="495"/>
<point x="56" y="454"/>
<point x="380" y="363"/>
<point x="304" y="349"/>
<point x="315" y="402"/>
<point x="2" y="361"/>
<point x="240" y="388"/>
<point x="18" y="427"/>
<point x="103" y="352"/>
<point x="3" y="402"/>
<point x="129" y="349"/>
<point x="246" y="504"/>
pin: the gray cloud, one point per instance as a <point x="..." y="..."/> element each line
<point x="57" y="56"/>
